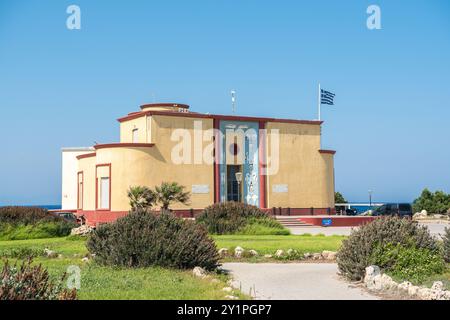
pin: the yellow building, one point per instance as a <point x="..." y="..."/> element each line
<point x="275" y="164"/>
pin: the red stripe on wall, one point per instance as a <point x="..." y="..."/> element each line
<point x="217" y="150"/>
<point x="262" y="164"/>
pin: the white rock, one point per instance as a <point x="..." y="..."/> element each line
<point x="371" y="278"/>
<point x="446" y="295"/>
<point x="290" y="252"/>
<point x="231" y="297"/>
<point x="372" y="271"/>
<point x="437" y="285"/>
<point x="329" y="255"/>
<point x="223" y="252"/>
<point x="307" y="255"/>
<point x="424" y="212"/>
<point x="413" y="290"/>
<point x="50" y="253"/>
<point x="227" y="289"/>
<point x="404" y="286"/>
<point x="279" y="253"/>
<point x="268" y="256"/>
<point x="83" y="230"/>
<point x="85" y="259"/>
<point x="387" y="283"/>
<point x="316" y="256"/>
<point x="253" y="253"/>
<point x="425" y="294"/>
<point x="238" y="251"/>
<point x="199" y="272"/>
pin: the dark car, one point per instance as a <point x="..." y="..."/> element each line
<point x="394" y="209"/>
<point x="67" y="216"/>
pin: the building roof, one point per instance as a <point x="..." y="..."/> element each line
<point x="189" y="114"/>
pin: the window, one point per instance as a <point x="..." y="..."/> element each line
<point x="134" y="137"/>
<point x="104" y="193"/>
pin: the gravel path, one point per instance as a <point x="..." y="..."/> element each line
<point x="294" y="281"/>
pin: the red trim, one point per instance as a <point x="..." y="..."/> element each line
<point x="262" y="164"/>
<point x="278" y="211"/>
<point x="217" y="153"/>
<point x="96" y="186"/>
<point x="86" y="155"/>
<point x="328" y="151"/>
<point x="123" y="145"/>
<point x="80" y="207"/>
<point x="216" y="116"/>
<point x="338" y="221"/>
<point x="156" y="105"/>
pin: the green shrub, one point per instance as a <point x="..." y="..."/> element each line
<point x="21" y="223"/>
<point x="24" y="215"/>
<point x="39" y="230"/>
<point x="141" y="239"/>
<point x="27" y="282"/>
<point x="437" y="202"/>
<point x="234" y="217"/>
<point x="356" y="252"/>
<point x="263" y="226"/>
<point x="407" y="263"/>
<point x="21" y="253"/>
<point x="446" y="246"/>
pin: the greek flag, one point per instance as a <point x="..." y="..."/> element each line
<point x="326" y="97"/>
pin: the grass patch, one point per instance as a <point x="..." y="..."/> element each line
<point x="104" y="283"/>
<point x="445" y="278"/>
<point x="270" y="243"/>
<point x="40" y="230"/>
<point x="427" y="281"/>
<point x="263" y="226"/>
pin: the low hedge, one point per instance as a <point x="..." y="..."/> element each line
<point x="408" y="262"/>
<point x="39" y="230"/>
<point x="24" y="215"/>
<point x="21" y="223"/>
<point x="238" y="218"/>
<point x="371" y="243"/>
<point x="143" y="238"/>
<point x="446" y="246"/>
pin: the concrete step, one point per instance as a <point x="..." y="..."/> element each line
<point x="292" y="221"/>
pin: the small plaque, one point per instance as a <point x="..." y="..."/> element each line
<point x="280" y="188"/>
<point x="200" y="188"/>
<point x="326" y="222"/>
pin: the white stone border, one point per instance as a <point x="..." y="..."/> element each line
<point x="374" y="280"/>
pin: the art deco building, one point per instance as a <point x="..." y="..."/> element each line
<point x="275" y="164"/>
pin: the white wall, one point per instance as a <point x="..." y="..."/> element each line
<point x="69" y="176"/>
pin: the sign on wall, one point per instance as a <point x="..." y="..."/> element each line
<point x="280" y="188"/>
<point x="200" y="188"/>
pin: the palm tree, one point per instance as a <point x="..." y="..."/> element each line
<point x="141" y="197"/>
<point x="170" y="192"/>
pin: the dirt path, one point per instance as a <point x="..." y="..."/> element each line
<point x="294" y="281"/>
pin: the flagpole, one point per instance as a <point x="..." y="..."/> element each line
<point x="319" y="102"/>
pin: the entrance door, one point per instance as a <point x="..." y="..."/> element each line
<point x="239" y="153"/>
<point x="233" y="186"/>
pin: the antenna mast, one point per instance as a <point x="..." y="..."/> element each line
<point x="233" y="101"/>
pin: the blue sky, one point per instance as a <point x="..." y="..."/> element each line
<point x="390" y="125"/>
